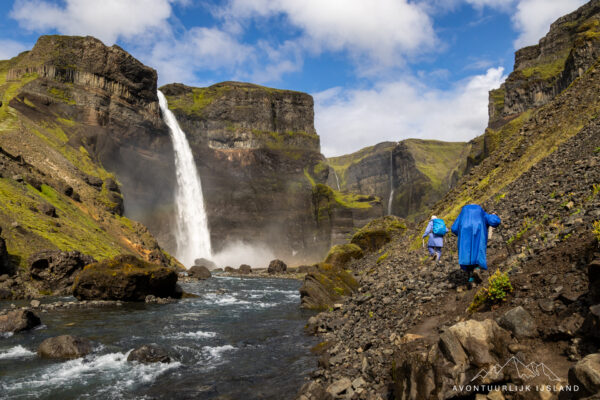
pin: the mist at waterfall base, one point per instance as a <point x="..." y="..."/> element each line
<point x="236" y="253"/>
<point x="241" y="339"/>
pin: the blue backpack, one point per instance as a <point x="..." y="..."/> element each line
<point x="439" y="227"/>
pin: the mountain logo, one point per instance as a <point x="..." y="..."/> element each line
<point x="524" y="371"/>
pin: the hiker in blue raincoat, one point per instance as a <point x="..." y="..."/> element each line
<point x="435" y="242"/>
<point x="471" y="227"/>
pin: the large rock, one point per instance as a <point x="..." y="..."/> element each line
<point x="462" y="352"/>
<point x="591" y="324"/>
<point x="56" y="270"/>
<point x="124" y="278"/>
<point x="244" y="269"/>
<point x="325" y="285"/>
<point x="519" y="322"/>
<point x="64" y="347"/>
<point x="377" y="233"/>
<point x="18" y="320"/>
<point x="586" y="374"/>
<point x="147" y="354"/>
<point x="341" y="254"/>
<point x="277" y="267"/>
<point x="207" y="263"/>
<point x="199" y="272"/>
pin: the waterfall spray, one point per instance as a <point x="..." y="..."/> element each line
<point x="192" y="235"/>
<point x="389" y="211"/>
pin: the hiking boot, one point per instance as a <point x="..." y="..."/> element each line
<point x="437" y="258"/>
<point x="477" y="276"/>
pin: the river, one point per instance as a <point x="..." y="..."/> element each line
<point x="242" y="339"/>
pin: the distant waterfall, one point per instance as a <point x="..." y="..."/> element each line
<point x="337" y="181"/>
<point x="192" y="235"/>
<point x="389" y="210"/>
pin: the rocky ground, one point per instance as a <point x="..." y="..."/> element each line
<point x="405" y="303"/>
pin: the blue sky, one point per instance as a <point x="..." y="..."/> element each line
<point x="378" y="69"/>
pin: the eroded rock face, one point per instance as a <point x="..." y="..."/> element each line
<point x="64" y="347"/>
<point x="419" y="172"/>
<point x="56" y="270"/>
<point x="148" y="354"/>
<point x="461" y="353"/>
<point x="124" y="278"/>
<point x="18" y="321"/>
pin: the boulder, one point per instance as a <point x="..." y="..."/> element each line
<point x="125" y="278"/>
<point x="341" y="254"/>
<point x="199" y="272"/>
<point x="586" y="374"/>
<point x="276" y="267"/>
<point x="18" y="321"/>
<point x="48" y="210"/>
<point x="519" y="322"/>
<point x="5" y="294"/>
<point x="64" y="347"/>
<point x="244" y="269"/>
<point x="229" y="269"/>
<point x="462" y="352"/>
<point x="377" y="233"/>
<point x="207" y="263"/>
<point x="326" y="285"/>
<point x="56" y="270"/>
<point x="147" y="354"/>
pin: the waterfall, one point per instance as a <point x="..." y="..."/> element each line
<point x="337" y="181"/>
<point x="389" y="210"/>
<point x="191" y="235"/>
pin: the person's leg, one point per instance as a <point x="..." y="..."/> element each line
<point x="431" y="252"/>
<point x="438" y="254"/>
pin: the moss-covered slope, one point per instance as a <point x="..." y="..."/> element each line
<point x="55" y="192"/>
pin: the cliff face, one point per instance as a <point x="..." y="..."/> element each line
<point x="262" y="171"/>
<point x="418" y="171"/>
<point x="541" y="72"/>
<point x="69" y="108"/>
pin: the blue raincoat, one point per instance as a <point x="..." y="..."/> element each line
<point x="471" y="227"/>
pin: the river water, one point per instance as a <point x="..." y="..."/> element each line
<point x="246" y="343"/>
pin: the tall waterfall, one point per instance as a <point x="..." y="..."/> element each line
<point x="191" y="235"/>
<point x="337" y="181"/>
<point x="389" y="210"/>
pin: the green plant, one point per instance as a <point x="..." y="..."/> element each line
<point x="527" y="223"/>
<point x="382" y="257"/>
<point x="499" y="287"/>
<point x="595" y="189"/>
<point x="597" y="150"/>
<point x="596" y="229"/>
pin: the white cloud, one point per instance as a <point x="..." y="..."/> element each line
<point x="107" y="20"/>
<point x="385" y="31"/>
<point x="348" y="120"/>
<point x="10" y="48"/>
<point x="496" y="4"/>
<point x="533" y="18"/>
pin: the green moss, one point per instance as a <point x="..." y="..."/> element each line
<point x="8" y="91"/>
<point x="548" y="68"/>
<point x="497" y="100"/>
<point x="377" y="233"/>
<point x="61" y="94"/>
<point x="382" y="257"/>
<point x="335" y="283"/>
<point x="341" y="254"/>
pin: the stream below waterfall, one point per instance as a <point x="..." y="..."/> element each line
<point x="242" y="339"/>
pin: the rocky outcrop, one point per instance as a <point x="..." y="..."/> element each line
<point x="72" y="108"/>
<point x="244" y="269"/>
<point x="199" y="272"/>
<point x="276" y="267"/>
<point x="55" y="270"/>
<point x="64" y="347"/>
<point x="124" y="278"/>
<point x="408" y="176"/>
<point x="148" y="354"/>
<point x="18" y="321"/>
<point x="325" y="285"/>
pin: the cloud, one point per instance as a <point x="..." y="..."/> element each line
<point x="10" y="48"/>
<point x="382" y="33"/>
<point x="533" y="18"/>
<point x="108" y="20"/>
<point x="392" y="111"/>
